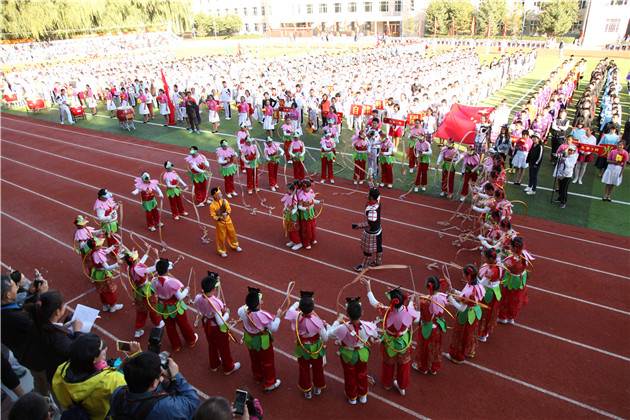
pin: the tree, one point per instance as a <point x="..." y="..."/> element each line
<point x="556" y="17"/>
<point x="437" y="10"/>
<point x="493" y="11"/>
<point x="461" y="11"/>
<point x="514" y="20"/>
<point x="410" y="27"/>
<point x="225" y="25"/>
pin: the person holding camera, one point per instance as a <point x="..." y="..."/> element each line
<point x="564" y="173"/>
<point x="154" y="391"/>
<point x="482" y="135"/>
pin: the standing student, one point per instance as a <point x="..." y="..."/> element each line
<point x="534" y="160"/>
<point x="220" y="211"/>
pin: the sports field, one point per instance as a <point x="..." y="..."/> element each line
<point x="584" y="208"/>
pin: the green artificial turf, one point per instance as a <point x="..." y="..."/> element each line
<point x="588" y="211"/>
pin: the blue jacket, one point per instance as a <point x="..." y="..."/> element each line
<point x="180" y="405"/>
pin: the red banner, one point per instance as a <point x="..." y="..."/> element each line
<point x="379" y="104"/>
<point x="355" y="110"/>
<point x="281" y="102"/>
<point x="276" y="114"/>
<point x="411" y="118"/>
<point x="286" y="109"/>
<point x="602" y="151"/>
<point x="340" y="115"/>
<point x="367" y="109"/>
<point x="392" y="121"/>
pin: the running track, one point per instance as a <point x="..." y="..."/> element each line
<point x="568" y="356"/>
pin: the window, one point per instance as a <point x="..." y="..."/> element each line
<point x="218" y="13"/>
<point x="618" y="2"/>
<point x="309" y="9"/>
<point x="412" y="5"/>
<point x="247" y="27"/>
<point x="337" y="7"/>
<point x="255" y="11"/>
<point x="227" y="11"/>
<point x="262" y="10"/>
<point x="244" y="11"/>
<point x="583" y="4"/>
<point x="264" y="27"/>
<point x="256" y="27"/>
<point x="352" y="7"/>
<point x="533" y="27"/>
<point x="323" y="8"/>
<point x="612" y="25"/>
<point x="384" y="7"/>
<point x="367" y="6"/>
<point x="398" y="6"/>
<point x="537" y="4"/>
<point x="235" y="11"/>
<point x="576" y="27"/>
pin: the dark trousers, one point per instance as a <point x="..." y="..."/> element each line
<point x="555" y="143"/>
<point x="563" y="186"/>
<point x="533" y="177"/>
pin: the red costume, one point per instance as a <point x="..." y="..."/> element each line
<point x="428" y="357"/>
<point x="514" y="288"/>
<point x="172" y="309"/>
<point x="215" y="316"/>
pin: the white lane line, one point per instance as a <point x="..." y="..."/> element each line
<point x="340" y="208"/>
<point x="543" y="390"/>
<point x="493" y="372"/>
<point x="129" y="143"/>
<point x="586" y="346"/>
<point x="271" y="287"/>
<point x="285" y="354"/>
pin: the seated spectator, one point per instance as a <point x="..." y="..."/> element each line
<point x="161" y="394"/>
<point x="86" y="379"/>
<point x="15" y="321"/>
<point x="216" y="408"/>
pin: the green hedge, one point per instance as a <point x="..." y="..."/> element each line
<point x="566" y="39"/>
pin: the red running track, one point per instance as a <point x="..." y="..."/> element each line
<point x="567" y="356"/>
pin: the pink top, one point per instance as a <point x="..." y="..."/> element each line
<point x="197" y="159"/>
<point x="308" y="325"/>
<point x="471" y="160"/>
<point x="289" y="200"/>
<point x="399" y="320"/>
<point x="288" y="129"/>
<point x="327" y="142"/>
<point x="268" y="110"/>
<point x="422" y="146"/>
<point x="212" y="105"/>
<point x="170" y="179"/>
<point x="618" y="158"/>
<point x="162" y="98"/>
<point x="99" y="256"/>
<point x="108" y="95"/>
<point x="305" y="197"/>
<point x="261" y="320"/>
<point x="105" y="205"/>
<point x="271" y="148"/>
<point x="227" y="153"/>
<point x="145" y="186"/>
<point x="475" y="293"/>
<point x="206" y="309"/>
<point x="138" y="273"/>
<point x="240" y="136"/>
<point x="165" y="286"/>
<point x="142" y="98"/>
<point x="345" y="335"/>
<point x="436" y="309"/>
<point x="243" y="107"/>
<point x="416" y="132"/>
<point x="83" y="234"/>
<point x="249" y="151"/>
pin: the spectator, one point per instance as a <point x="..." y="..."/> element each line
<point x="9" y="377"/>
<point x="48" y="342"/>
<point x="86" y="380"/>
<point x="534" y="160"/>
<point x="564" y="173"/>
<point x="15" y="322"/>
<point x="161" y="394"/>
<point x="31" y="406"/>
<point x="216" y="408"/>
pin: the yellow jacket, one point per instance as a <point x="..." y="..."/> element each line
<point x="93" y="393"/>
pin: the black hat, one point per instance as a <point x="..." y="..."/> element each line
<point x="209" y="282"/>
<point x="252" y="300"/>
<point x="86" y="347"/>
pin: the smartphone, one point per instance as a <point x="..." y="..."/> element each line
<point x="240" y="399"/>
<point x="123" y="345"/>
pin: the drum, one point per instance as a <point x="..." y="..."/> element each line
<point x="125" y="113"/>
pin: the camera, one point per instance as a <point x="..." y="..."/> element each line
<point x="164" y="356"/>
<point x="155" y="340"/>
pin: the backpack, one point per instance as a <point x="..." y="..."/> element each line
<point x="140" y="413"/>
<point x="75" y="412"/>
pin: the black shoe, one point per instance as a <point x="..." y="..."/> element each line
<point x="359" y="268"/>
<point x="517" y="183"/>
<point x="374" y="264"/>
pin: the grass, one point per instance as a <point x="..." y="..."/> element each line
<point x="586" y="210"/>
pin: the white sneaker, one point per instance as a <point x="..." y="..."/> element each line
<point x="238" y="249"/>
<point x="355" y="182"/>
<point x="462" y="198"/>
<point x="237" y="366"/>
<point x="224" y="255"/>
<point x="574" y="181"/>
<point x="250" y="192"/>
<point x="450" y="196"/>
<point x="176" y="218"/>
<point x="106" y="308"/>
<point x="161" y="224"/>
<point x="527" y="189"/>
<point x="503" y="321"/>
<point x="580" y="181"/>
<point x="201" y="204"/>
<point x="363" y="399"/>
<point x="322" y="181"/>
<point x="308" y="247"/>
<point x="390" y="186"/>
<point x="332" y="181"/>
<point x="382" y="185"/>
<point x="483" y="339"/>
<point x="360" y="182"/>
<point x="401" y="391"/>
<point x="228" y="195"/>
<point x="424" y="188"/>
<point x="115" y="307"/>
<point x="272" y="387"/>
<point x="234" y="194"/>
<point x="296" y="247"/>
<point x="162" y="324"/>
<point x="290" y="244"/>
<point x="308" y="395"/>
<point x="273" y="189"/>
<point x="442" y="194"/>
<point x="511" y="321"/>
<point x="314" y="242"/>
<point x="152" y="228"/>
<point x="415" y="189"/>
<point x="411" y="170"/>
<point x="352" y="402"/>
<point x="317" y="391"/>
<point x="530" y="192"/>
<point x="139" y="333"/>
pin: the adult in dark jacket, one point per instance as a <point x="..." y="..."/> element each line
<point x="161" y="394"/>
<point x="15" y="322"/>
<point x="534" y="160"/>
<point x="48" y="342"/>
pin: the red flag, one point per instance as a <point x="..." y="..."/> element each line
<point x="459" y="123"/>
<point x="488" y="30"/>
<point x="453" y="27"/>
<point x="171" y="107"/>
<point x="388" y="29"/>
<point x="504" y="28"/>
<point x="435" y="27"/>
<point x="472" y="27"/>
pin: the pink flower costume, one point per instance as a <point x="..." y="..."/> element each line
<point x="464" y="340"/>
<point x="148" y="190"/>
<point x="226" y="157"/>
<point x="214" y="318"/>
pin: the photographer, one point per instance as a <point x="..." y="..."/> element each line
<point x="482" y="135"/>
<point x="153" y="391"/>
